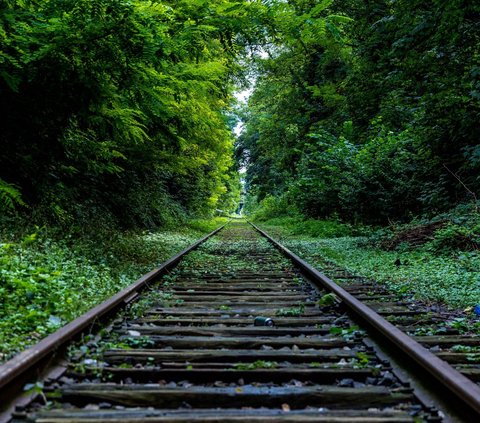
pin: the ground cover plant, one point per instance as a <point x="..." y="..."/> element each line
<point x="48" y="281"/>
<point x="435" y="271"/>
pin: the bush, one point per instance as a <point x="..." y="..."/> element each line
<point x="322" y="228"/>
<point x="312" y="228"/>
<point x="446" y="233"/>
<point x="271" y="207"/>
<point x="456" y="237"/>
<point x="374" y="182"/>
<point x="206" y="225"/>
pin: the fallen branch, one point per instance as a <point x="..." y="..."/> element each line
<point x="465" y="186"/>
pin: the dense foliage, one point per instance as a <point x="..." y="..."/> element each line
<point x="120" y="108"/>
<point x="366" y="110"/>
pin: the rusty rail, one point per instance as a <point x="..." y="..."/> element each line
<point x="455" y="382"/>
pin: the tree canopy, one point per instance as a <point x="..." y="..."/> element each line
<point x="120" y="106"/>
<point x="367" y="110"/>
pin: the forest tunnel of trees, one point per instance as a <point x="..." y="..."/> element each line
<point x="120" y="139"/>
<point x="123" y="110"/>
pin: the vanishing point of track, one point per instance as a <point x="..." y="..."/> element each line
<point x="233" y="329"/>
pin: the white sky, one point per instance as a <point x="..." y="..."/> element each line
<point x="242" y="97"/>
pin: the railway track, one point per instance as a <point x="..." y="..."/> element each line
<point x="236" y="332"/>
<point x="443" y="332"/>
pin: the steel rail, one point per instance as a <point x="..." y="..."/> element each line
<point x="455" y="382"/>
<point x="24" y="362"/>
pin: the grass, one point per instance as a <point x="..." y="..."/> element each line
<point x="47" y="280"/>
<point x="451" y="278"/>
<point x="312" y="227"/>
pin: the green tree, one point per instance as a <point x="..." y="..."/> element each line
<point x="373" y="116"/>
<point x="120" y="106"/>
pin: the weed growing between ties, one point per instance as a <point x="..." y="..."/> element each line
<point x="259" y="364"/>
<point x="235" y="256"/>
<point x="48" y="281"/>
<point x="88" y="352"/>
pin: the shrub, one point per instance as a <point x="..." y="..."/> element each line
<point x="312" y="227"/>
<point x="456" y="237"/>
<point x="271" y="207"/>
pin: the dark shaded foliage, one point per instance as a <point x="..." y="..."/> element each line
<point x="372" y="119"/>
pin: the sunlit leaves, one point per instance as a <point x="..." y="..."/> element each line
<point x="320" y="7"/>
<point x="137" y="88"/>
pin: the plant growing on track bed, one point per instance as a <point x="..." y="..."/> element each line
<point x="291" y="312"/>
<point x="138" y="341"/>
<point x="259" y="364"/>
<point x="465" y="349"/>
<point x="328" y="300"/>
<point x="462" y="325"/>
<point x="346" y="333"/>
<point x="225" y="307"/>
<point x="47" y="281"/>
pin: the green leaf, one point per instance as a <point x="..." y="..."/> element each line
<point x="320" y="7"/>
<point x="339" y="18"/>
